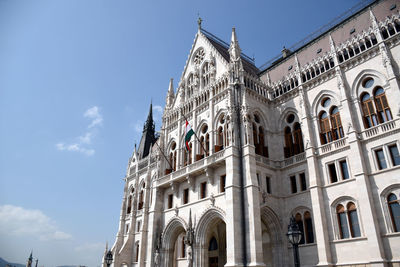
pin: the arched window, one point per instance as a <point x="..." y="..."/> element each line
<point x="394" y="210"/>
<point x="330" y="124"/>
<point x="171" y="164"/>
<point x="288" y="149"/>
<point x="137" y="252"/>
<point x="325" y="129"/>
<point x="259" y="137"/>
<point x="304" y="221"/>
<point x="298" y="139"/>
<point x="337" y="129"/>
<point x="347" y="219"/>
<point x="299" y="222"/>
<point x="293" y="137"/>
<point x="221" y="138"/>
<point x="342" y="221"/>
<point x="374" y="104"/>
<point x="368" y="109"/>
<point x="206" y="74"/>
<point x="213" y="244"/>
<point x="204" y="146"/>
<point x="128" y="210"/>
<point x="353" y="220"/>
<point x="141" y="197"/>
<point x="308" y="228"/>
<point x="382" y="107"/>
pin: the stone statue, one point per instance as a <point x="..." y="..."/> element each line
<point x="189" y="256"/>
<point x="157" y="258"/>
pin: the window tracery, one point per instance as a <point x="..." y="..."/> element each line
<point x="204" y="146"/>
<point x="330" y="123"/>
<point x="293" y="138"/>
<point x="348" y="225"/>
<point x="304" y="221"/>
<point x="374" y="105"/>
<point x="259" y="141"/>
<point x="222" y="127"/>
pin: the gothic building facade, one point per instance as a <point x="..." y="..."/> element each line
<point x="314" y="135"/>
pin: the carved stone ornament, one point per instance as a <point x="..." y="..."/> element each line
<point x="212" y="199"/>
<point x="176" y="210"/>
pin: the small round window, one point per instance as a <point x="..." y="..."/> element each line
<point x="256" y="118"/>
<point x="290" y="118"/>
<point x="173" y="146"/>
<point x="204" y="129"/>
<point x="222" y="119"/>
<point x="326" y="102"/>
<point x="368" y="82"/>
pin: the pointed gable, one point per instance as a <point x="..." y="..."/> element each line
<point x="207" y="48"/>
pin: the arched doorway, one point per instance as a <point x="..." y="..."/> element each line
<point x="211" y="239"/>
<point x="272" y="239"/>
<point x="216" y="249"/>
<point x="173" y="246"/>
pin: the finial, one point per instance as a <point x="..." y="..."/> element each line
<point x="199" y="20"/>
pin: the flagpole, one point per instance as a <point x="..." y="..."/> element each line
<point x="163" y="154"/>
<point x="205" y="151"/>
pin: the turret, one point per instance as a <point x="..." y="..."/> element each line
<point x="170" y="95"/>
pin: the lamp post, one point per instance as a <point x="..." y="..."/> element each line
<point x="294" y="236"/>
<point x="109" y="258"/>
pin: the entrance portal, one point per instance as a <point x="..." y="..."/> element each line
<point x="217" y="244"/>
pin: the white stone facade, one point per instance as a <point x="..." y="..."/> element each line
<point x="300" y="138"/>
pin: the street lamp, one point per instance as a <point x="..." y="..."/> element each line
<point x="109" y="258"/>
<point x="294" y="236"/>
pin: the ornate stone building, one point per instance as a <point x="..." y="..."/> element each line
<point x="314" y="135"/>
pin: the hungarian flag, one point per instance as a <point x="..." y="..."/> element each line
<point x="188" y="134"/>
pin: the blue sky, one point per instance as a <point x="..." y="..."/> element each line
<point x="76" y="81"/>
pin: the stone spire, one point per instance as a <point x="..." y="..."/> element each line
<point x="148" y="135"/>
<point x="373" y="19"/>
<point x="170" y="94"/>
<point x="234" y="48"/>
<point x="30" y="259"/>
<point x="332" y="43"/>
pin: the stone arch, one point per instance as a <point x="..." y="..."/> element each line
<point x="300" y="209"/>
<point x="356" y="85"/>
<point x="218" y="115"/>
<point x="206" y="219"/>
<point x="284" y="114"/>
<point x="173" y="229"/>
<point x="200" y="125"/>
<point x="277" y="236"/>
<point x="264" y="119"/>
<point x="209" y="221"/>
<point x="391" y="189"/>
<point x="321" y="95"/>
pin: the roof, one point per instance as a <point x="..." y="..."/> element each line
<point x="223" y="48"/>
<point x="335" y="23"/>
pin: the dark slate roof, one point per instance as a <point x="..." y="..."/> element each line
<point x="148" y="136"/>
<point x="223" y="49"/>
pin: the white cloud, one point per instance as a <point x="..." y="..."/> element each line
<point x="158" y="109"/>
<point x="94" y="114"/>
<point x="18" y="221"/>
<point x="75" y="147"/>
<point x="87" y="138"/>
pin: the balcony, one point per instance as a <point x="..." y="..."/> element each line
<point x="193" y="169"/>
<point x="380" y="129"/>
<point x="332" y="146"/>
